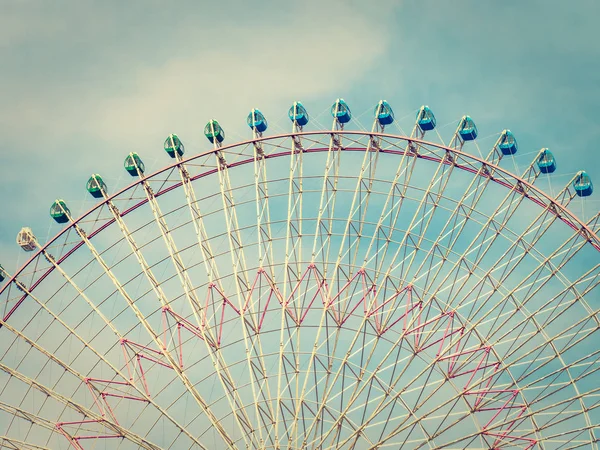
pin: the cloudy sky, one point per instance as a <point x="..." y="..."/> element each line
<point x="83" y="83"/>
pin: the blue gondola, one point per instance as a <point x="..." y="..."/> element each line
<point x="174" y="145"/>
<point x="384" y="113"/>
<point x="467" y="129"/>
<point x="134" y="164"/>
<point x="213" y="131"/>
<point x="256" y="120"/>
<point x="582" y="183"/>
<point x="298" y="114"/>
<point x="96" y="186"/>
<point x="2" y="273"/>
<point x="425" y="119"/>
<point x="508" y="143"/>
<point x="341" y="111"/>
<point x="545" y="161"/>
<point x="59" y="211"/>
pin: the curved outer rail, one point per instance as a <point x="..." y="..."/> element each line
<point x="526" y="189"/>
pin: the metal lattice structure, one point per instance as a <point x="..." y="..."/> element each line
<point x="314" y="289"/>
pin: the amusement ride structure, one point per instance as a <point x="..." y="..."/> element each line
<point x="332" y="288"/>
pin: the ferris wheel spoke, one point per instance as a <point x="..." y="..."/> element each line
<point x="454" y="226"/>
<point x="208" y="256"/>
<point x="292" y="271"/>
<point x="587" y="278"/>
<point x="325" y="218"/>
<point x="366" y="422"/>
<point x="512" y="259"/>
<point x="175" y="149"/>
<point x="335" y="376"/>
<point x="548" y="342"/>
<point x="536" y="227"/>
<point x="500" y="427"/>
<point x="379" y="244"/>
<point x="265" y="260"/>
<point x="532" y="279"/>
<point x="175" y="363"/>
<point x="352" y="233"/>
<point x="171" y="360"/>
<point x="294" y="222"/>
<point x="263" y="212"/>
<point x="574" y="434"/>
<point x="438" y="179"/>
<point x="96" y="391"/>
<point x="90" y="383"/>
<point x="452" y="229"/>
<point x="321" y="246"/>
<point x="523" y="341"/>
<point x="590" y="364"/>
<point x="29" y="417"/>
<point x="558" y="410"/>
<point x="244" y="288"/>
<point x="389" y="403"/>
<point x="575" y="337"/>
<point x="477" y="368"/>
<point x="365" y="382"/>
<point x="420" y="220"/>
<point x="487" y="226"/>
<point x="105" y="423"/>
<point x="354" y="227"/>
<point x="227" y="380"/>
<point x="15" y="444"/>
<point x="215" y="279"/>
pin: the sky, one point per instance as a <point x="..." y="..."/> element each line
<point x="83" y="83"/>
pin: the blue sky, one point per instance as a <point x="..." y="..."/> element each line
<point x="83" y="83"/>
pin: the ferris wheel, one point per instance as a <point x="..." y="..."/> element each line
<point x="328" y="288"/>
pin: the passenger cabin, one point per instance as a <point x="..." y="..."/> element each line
<point x="59" y="211"/>
<point x="341" y="111"/>
<point x="173" y="145"/>
<point x="2" y="272"/>
<point x="384" y="113"/>
<point x="582" y="183"/>
<point x="467" y="129"/>
<point x="134" y="164"/>
<point x="508" y="143"/>
<point x="26" y="239"/>
<point x="96" y="186"/>
<point x="298" y="114"/>
<point x="214" y="132"/>
<point x="425" y="119"/>
<point x="545" y="161"/>
<point x="256" y="121"/>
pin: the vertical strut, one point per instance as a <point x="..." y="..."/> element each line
<point x="242" y="282"/>
<point x="215" y="279"/>
<point x="321" y="248"/>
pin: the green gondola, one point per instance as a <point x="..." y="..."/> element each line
<point x="173" y="145"/>
<point x="96" y="186"/>
<point x="213" y="131"/>
<point x="59" y="211"/>
<point x="134" y="164"/>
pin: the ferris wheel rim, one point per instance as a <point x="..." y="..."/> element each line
<point x="574" y="221"/>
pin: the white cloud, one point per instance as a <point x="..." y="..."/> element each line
<point x="210" y="69"/>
